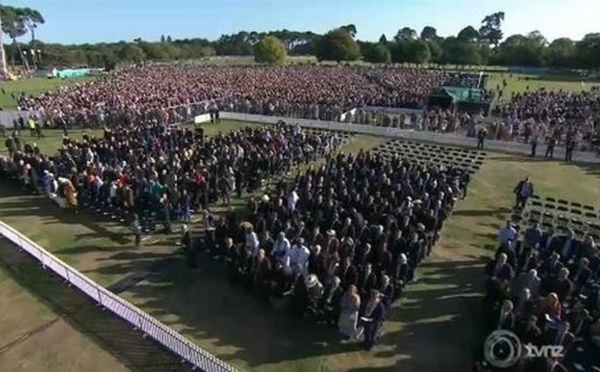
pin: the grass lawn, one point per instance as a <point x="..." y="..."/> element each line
<point x="49" y="327"/>
<point x="519" y="83"/>
<point x="35" y="86"/>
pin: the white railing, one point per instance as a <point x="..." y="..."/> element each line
<point x="409" y="134"/>
<point x="139" y="319"/>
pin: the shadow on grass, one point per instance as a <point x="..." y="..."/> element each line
<point x="574" y="78"/>
<point x="438" y="316"/>
<point x="589" y="168"/>
<point x="499" y="212"/>
<point x="111" y="333"/>
<point x="31" y="205"/>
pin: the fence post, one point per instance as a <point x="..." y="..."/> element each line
<point x="100" y="302"/>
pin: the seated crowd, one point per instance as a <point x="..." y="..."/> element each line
<point x="544" y="288"/>
<point x="156" y="170"/>
<point x="153" y="92"/>
<point x="339" y="244"/>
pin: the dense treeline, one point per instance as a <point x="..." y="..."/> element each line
<point x="484" y="45"/>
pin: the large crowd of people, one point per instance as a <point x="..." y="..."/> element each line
<point x="158" y="170"/>
<point x="542" y="286"/>
<point x="177" y="93"/>
<point x="342" y="241"/>
<point x="339" y="243"/>
<point x="168" y="92"/>
<point x="552" y="115"/>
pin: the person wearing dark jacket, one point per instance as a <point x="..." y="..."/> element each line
<point x="523" y="191"/>
<point x="189" y="248"/>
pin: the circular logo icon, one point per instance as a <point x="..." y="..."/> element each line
<point x="502" y="349"/>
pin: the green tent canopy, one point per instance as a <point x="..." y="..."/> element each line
<point x="460" y="98"/>
<point x="460" y="94"/>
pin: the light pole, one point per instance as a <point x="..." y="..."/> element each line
<point x="3" y="68"/>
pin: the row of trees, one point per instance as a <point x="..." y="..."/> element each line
<point x="471" y="46"/>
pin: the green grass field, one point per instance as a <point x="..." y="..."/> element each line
<point x="437" y="317"/>
<point x="34" y="86"/>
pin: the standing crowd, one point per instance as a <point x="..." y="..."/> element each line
<point x="171" y="93"/>
<point x="557" y="118"/>
<point x="153" y="170"/>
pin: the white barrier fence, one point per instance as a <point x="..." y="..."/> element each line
<point x="139" y="319"/>
<point x="446" y="139"/>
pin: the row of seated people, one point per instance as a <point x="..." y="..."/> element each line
<point x="544" y="288"/>
<point x="360" y="225"/>
<point x="164" y="171"/>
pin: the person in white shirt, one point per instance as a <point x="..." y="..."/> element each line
<point x="252" y="242"/>
<point x="282" y="247"/>
<point x="507" y="233"/>
<point x="298" y="257"/>
<point x="292" y="200"/>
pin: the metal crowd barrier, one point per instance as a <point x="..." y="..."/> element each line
<point x="172" y="340"/>
<point x="408" y="134"/>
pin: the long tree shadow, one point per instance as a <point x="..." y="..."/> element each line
<point x="23" y="206"/>
<point x="114" y="335"/>
<point x="438" y="316"/>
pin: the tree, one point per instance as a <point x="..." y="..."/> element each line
<point x="131" y="53"/>
<point x="3" y="65"/>
<point x="337" y="45"/>
<point x="520" y="50"/>
<point x="561" y="52"/>
<point x="32" y="19"/>
<point x="418" y="51"/>
<point x="588" y="50"/>
<point x="383" y="39"/>
<point x="435" y="51"/>
<point x="428" y="33"/>
<point x="468" y="35"/>
<point x="13" y="25"/>
<point x="376" y="53"/>
<point x="351" y="29"/>
<point x="270" y="50"/>
<point x="490" y="31"/>
<point x="405" y="33"/>
<point x="457" y="52"/>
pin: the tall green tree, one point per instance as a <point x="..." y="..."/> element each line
<point x="351" y="29"/>
<point x="376" y="53"/>
<point x="561" y="52"/>
<point x="337" y="45"/>
<point x="588" y="50"/>
<point x="468" y="35"/>
<point x="14" y="25"/>
<point x="270" y="50"/>
<point x="490" y="32"/>
<point x="32" y="19"/>
<point x="428" y="33"/>
<point x="405" y="33"/>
